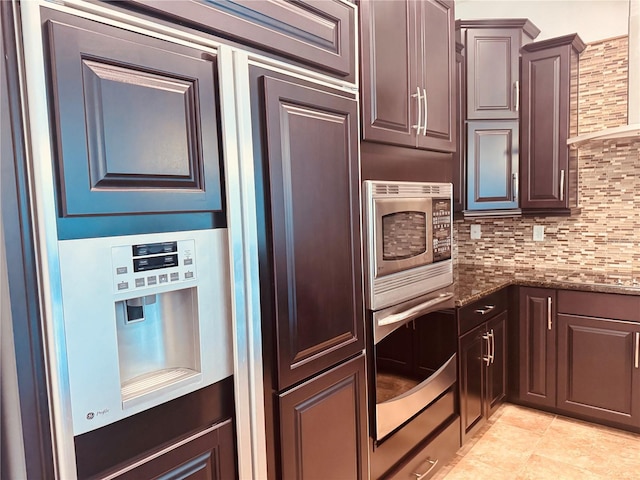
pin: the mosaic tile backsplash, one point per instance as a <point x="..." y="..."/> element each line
<point x="605" y="235"/>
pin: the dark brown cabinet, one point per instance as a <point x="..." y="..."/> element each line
<point x="324" y="425"/>
<point x="318" y="34"/>
<point x="598" y="356"/>
<point x="483" y="360"/>
<point x="312" y="307"/>
<point x="460" y="155"/>
<point x="408" y="73"/>
<point x="492" y="165"/>
<point x="492" y="51"/>
<point x="537" y="346"/>
<point x="549" y="117"/>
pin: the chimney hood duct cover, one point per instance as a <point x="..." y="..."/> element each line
<point x="632" y="129"/>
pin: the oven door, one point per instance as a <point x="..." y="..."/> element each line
<point x="403" y="234"/>
<point x="415" y="357"/>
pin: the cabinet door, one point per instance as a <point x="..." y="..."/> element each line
<point x="324" y="426"/>
<point x="492" y="72"/>
<point x="537" y="340"/>
<point x="436" y="60"/>
<point x="460" y="155"/>
<point x="497" y="369"/>
<point x="545" y="128"/>
<point x="598" y="374"/>
<point x="472" y="350"/>
<point x="492" y="165"/>
<point x="312" y="164"/>
<point x="389" y="75"/>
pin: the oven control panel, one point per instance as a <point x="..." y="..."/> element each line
<point x="441" y="224"/>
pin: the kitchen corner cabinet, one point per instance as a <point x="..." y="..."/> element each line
<point x="549" y="116"/>
<point x="483" y="361"/>
<point x="408" y="73"/>
<point x="537" y="346"/>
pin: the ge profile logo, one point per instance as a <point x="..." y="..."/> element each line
<point x="90" y="415"/>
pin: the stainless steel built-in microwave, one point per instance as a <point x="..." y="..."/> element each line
<point x="408" y="239"/>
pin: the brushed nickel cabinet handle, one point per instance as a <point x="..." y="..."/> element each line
<point x="493" y="347"/>
<point x="432" y="465"/>
<point x="487" y="358"/>
<point x="485" y="310"/>
<point x="515" y="187"/>
<point x="517" y="90"/>
<point x="418" y="125"/>
<point x="549" y="320"/>
<point x="637" y="359"/>
<point x="426" y="111"/>
<point x="561" y="184"/>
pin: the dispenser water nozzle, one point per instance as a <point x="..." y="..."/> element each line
<point x="135" y="307"/>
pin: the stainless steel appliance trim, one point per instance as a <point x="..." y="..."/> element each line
<point x="432" y="465"/>
<point x="637" y="359"/>
<point x="418" y="125"/>
<point x="426" y="111"/>
<point x="414" y="311"/>
<point x="561" y="184"/>
<point x="437" y="300"/>
<point x="393" y="413"/>
<point x="549" y="320"/>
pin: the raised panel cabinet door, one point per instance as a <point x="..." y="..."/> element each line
<point x="492" y="165"/>
<point x="312" y="161"/>
<point x="537" y="345"/>
<point x="389" y="72"/>
<point x="492" y="72"/>
<point x="437" y="75"/>
<point x="472" y="350"/>
<point x="318" y="33"/>
<point x="497" y="369"/>
<point x="324" y="426"/>
<point x="135" y="121"/>
<point x="598" y="371"/>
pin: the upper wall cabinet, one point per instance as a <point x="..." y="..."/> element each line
<point x="135" y="120"/>
<point x="493" y="55"/>
<point x="408" y="73"/>
<point x="549" y="170"/>
<point x="320" y="34"/>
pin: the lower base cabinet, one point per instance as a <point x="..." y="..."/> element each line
<point x="323" y="426"/>
<point x="206" y="455"/>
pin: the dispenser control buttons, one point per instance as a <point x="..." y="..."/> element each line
<point x="152" y="280"/>
<point x="188" y="261"/>
<point x="121" y="270"/>
<point x="163" y="278"/>
<point x="153" y="263"/>
<point x="154" y="248"/>
<point x="139" y="282"/>
<point x="175" y="276"/>
<point x="123" y="285"/>
<point x="188" y="275"/>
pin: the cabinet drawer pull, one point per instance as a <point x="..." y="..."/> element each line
<point x="432" y="465"/>
<point x="418" y="125"/>
<point x="426" y="112"/>
<point x="561" y="185"/>
<point x="485" y="310"/>
<point x="515" y="187"/>
<point x="549" y="321"/>
<point x="517" y="90"/>
<point x="493" y="346"/>
<point x="487" y="358"/>
<point x="637" y="359"/>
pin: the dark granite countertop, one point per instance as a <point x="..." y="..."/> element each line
<point x="472" y="282"/>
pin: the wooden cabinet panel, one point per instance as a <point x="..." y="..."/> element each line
<point x="492" y="165"/>
<point x="208" y="455"/>
<point x="324" y="426"/>
<point x="597" y="371"/>
<point x="460" y="155"/>
<point x="318" y="33"/>
<point x="315" y="226"/>
<point x="472" y="380"/>
<point x="407" y="53"/>
<point x="493" y="70"/>
<point x="497" y="369"/>
<point x="537" y="363"/>
<point x="549" y="111"/>
<point x="135" y="120"/>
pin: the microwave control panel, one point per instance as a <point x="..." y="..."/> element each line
<point x="441" y="224"/>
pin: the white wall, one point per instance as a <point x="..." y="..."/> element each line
<point x="593" y="20"/>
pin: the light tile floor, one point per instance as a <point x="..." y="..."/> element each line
<point x="519" y="443"/>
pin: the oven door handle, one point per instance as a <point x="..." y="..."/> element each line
<point x="414" y="311"/>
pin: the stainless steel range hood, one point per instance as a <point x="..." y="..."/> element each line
<point x="632" y="129"/>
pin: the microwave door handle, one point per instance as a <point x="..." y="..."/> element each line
<point x="414" y="311"/>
